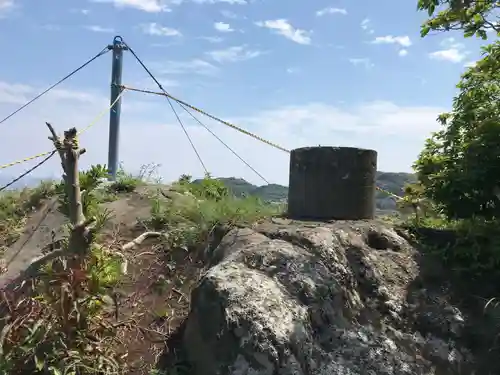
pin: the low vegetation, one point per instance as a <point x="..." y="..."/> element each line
<point x="64" y="320"/>
<point x="15" y="205"/>
<point x="205" y="205"/>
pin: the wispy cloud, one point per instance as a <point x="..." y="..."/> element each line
<point x="284" y="28"/>
<point x="212" y="39"/>
<point x="195" y="66"/>
<point x="452" y="52"/>
<point x="233" y="54"/>
<point x="14" y="93"/>
<point x="155" y="29"/>
<point x="361" y="61"/>
<point x="6" y="6"/>
<point x="366" y="25"/>
<point x="19" y="93"/>
<point x="149" y="6"/>
<point x="452" y="55"/>
<point x="403" y="52"/>
<point x="99" y="29"/>
<point x="331" y="10"/>
<point x="223" y="27"/>
<point x="85" y="12"/>
<point x="403" y="41"/>
<point x="231" y="2"/>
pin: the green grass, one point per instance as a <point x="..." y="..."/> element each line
<point x="198" y="208"/>
<point x="16" y="204"/>
<point x="127" y="182"/>
<point x="63" y="326"/>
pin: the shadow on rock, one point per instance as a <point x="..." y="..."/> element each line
<point x="451" y="305"/>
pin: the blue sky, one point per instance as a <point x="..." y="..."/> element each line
<point x="298" y="73"/>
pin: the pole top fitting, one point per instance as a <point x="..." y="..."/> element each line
<point x="118" y="43"/>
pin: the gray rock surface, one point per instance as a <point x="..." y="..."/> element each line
<point x="340" y="298"/>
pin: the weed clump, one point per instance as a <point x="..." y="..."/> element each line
<point x="15" y="205"/>
<point x="197" y="208"/>
<point x="59" y="320"/>
<point x="129" y="182"/>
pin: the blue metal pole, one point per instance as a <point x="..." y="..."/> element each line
<point x="114" y="115"/>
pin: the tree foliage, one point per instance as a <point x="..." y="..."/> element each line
<point x="473" y="17"/>
<point x="460" y="164"/>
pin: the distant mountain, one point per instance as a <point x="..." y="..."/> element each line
<point x="390" y="181"/>
<point x="26" y="181"/>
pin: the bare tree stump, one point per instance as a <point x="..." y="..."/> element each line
<point x="332" y="183"/>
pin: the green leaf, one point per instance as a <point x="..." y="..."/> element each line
<point x="425" y="30"/>
<point x="430" y="9"/>
<point x="39" y="364"/>
<point x="54" y="371"/>
<point x="482" y="34"/>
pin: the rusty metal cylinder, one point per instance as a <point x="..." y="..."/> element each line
<point x="332" y="183"/>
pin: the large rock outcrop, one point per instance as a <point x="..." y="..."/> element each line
<point x="344" y="298"/>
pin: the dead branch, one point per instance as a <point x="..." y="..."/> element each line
<point x="140" y="239"/>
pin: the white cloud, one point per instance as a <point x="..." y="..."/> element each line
<point x="452" y="52"/>
<point x="6" y="4"/>
<point x="233" y="54"/>
<point x="223" y="27"/>
<point x="14" y="93"/>
<point x="363" y="61"/>
<point x="366" y="26"/>
<point x="85" y="12"/>
<point x="154" y="29"/>
<point x="158" y="6"/>
<point x="403" y="41"/>
<point x="231" y="2"/>
<point x="284" y="28"/>
<point x="195" y="66"/>
<point x="331" y="10"/>
<point x="100" y="29"/>
<point x="149" y="6"/>
<point x="159" y="138"/>
<point x="403" y="52"/>
<point x="212" y="39"/>
<point x="470" y="64"/>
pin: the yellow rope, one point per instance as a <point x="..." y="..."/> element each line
<point x="92" y="123"/>
<point x="246" y="132"/>
<point x="230" y="125"/>
<point x="397" y="197"/>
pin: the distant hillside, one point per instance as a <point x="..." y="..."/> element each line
<point x="392" y="182"/>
